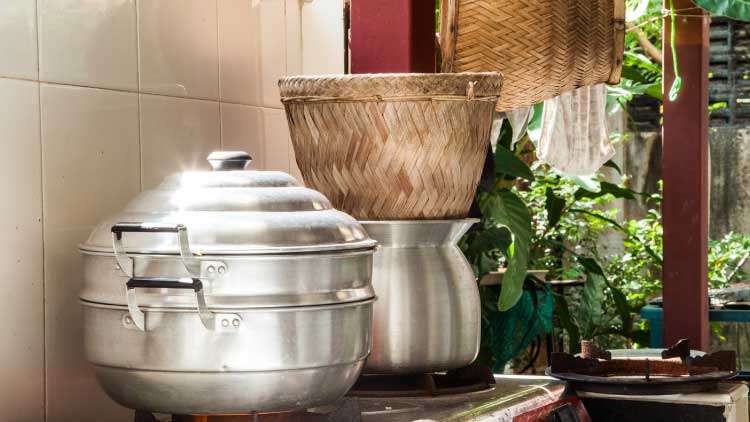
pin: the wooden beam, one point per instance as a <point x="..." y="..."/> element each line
<point x="685" y="170"/>
<point x="392" y="36"/>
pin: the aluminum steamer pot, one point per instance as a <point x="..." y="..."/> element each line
<point x="227" y="292"/>
<point x="427" y="317"/>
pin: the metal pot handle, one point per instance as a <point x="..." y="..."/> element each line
<point x="192" y="265"/>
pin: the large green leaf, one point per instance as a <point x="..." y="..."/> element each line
<point x="508" y="210"/>
<point x="598" y="215"/>
<point x="611" y="164"/>
<point x="506" y="163"/>
<point x="505" y="137"/>
<point x="735" y="9"/>
<point x="534" y="129"/>
<point x="492" y="238"/>
<point x="536" y="117"/>
<point x="621" y="302"/>
<point x="592" y="300"/>
<point x="587" y="182"/>
<point x="654" y="90"/>
<point x="642" y="61"/>
<point x="604" y="189"/>
<point x="554" y="206"/>
<point x="634" y="74"/>
<point x="567" y="322"/>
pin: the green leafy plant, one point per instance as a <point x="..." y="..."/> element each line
<point x="573" y="216"/>
<point x="624" y="282"/>
<point x="504" y="234"/>
<point x="540" y="219"/>
<point x="641" y="68"/>
<point x="536" y="218"/>
<point x="726" y="258"/>
<point x="735" y="9"/>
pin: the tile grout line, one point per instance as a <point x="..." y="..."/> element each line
<point x="137" y="92"/>
<point x="218" y="80"/>
<point x="263" y="140"/>
<point x="41" y="213"/>
<point x="291" y="50"/>
<point x="138" y="80"/>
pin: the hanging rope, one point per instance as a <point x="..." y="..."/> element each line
<point x="677" y="83"/>
<point x="683" y="13"/>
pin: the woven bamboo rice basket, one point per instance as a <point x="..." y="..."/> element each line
<point x="543" y="47"/>
<point x="392" y="146"/>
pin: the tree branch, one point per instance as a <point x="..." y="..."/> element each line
<point x="647" y="46"/>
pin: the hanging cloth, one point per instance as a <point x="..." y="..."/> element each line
<point x="574" y="137"/>
<point x="519" y="122"/>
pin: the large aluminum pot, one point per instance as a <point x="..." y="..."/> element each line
<point x="427" y="317"/>
<point x="260" y="359"/>
<point x="229" y="291"/>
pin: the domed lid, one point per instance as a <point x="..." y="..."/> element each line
<point x="231" y="210"/>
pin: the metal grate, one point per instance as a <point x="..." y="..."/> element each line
<point x="730" y="72"/>
<point x="644" y="114"/>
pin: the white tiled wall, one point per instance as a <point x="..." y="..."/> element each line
<point x="21" y="259"/>
<point x="99" y="100"/>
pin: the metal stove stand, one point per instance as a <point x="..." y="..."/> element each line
<point x="347" y="410"/>
<point x="508" y="398"/>
<point x="465" y="380"/>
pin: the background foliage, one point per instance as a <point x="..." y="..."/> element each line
<point x="536" y="218"/>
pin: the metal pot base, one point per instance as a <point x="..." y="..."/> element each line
<point x="227" y="392"/>
<point x="428" y="314"/>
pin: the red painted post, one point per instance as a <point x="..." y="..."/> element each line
<point x="393" y="36"/>
<point x="685" y="169"/>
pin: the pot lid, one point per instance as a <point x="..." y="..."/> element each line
<point x="231" y="210"/>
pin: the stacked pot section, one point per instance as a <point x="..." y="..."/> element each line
<point x="229" y="291"/>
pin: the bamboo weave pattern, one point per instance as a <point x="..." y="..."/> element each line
<point x="390" y="147"/>
<point x="543" y="47"/>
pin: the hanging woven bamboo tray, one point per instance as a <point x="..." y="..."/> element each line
<point x="543" y="47"/>
<point x="392" y="146"/>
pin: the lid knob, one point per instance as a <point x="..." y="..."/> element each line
<point x="229" y="160"/>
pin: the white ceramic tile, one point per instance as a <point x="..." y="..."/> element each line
<point x="322" y="37"/>
<point x="239" y="51"/>
<point x="272" y="50"/>
<point x="176" y="135"/>
<point x="18" y="39"/>
<point x="89" y="43"/>
<point x="178" y="48"/>
<point x="21" y="292"/>
<point x="293" y="25"/>
<point x="276" y="140"/>
<point x="90" y="158"/>
<point x="242" y="130"/>
<point x="73" y="394"/>
<point x="90" y="153"/>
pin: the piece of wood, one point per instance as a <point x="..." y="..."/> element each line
<point x="685" y="172"/>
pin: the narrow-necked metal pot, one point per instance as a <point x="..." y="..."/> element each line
<point x="427" y="317"/>
<point x="229" y="291"/>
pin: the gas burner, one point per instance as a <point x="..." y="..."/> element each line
<point x="347" y="410"/>
<point x="674" y="371"/>
<point x="464" y="380"/>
